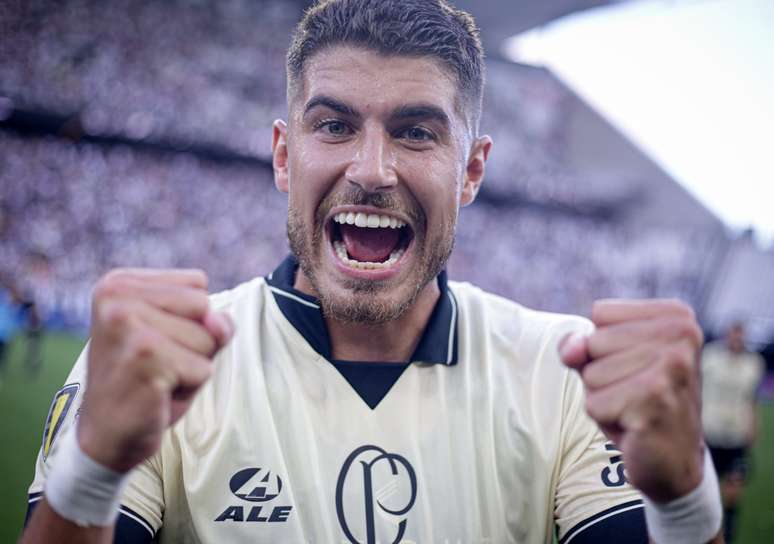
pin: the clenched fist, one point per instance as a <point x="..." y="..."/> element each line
<point x="640" y="370"/>
<point x="152" y="340"/>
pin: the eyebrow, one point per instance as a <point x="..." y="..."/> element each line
<point x="406" y="111"/>
<point x="421" y="111"/>
<point x="331" y="103"/>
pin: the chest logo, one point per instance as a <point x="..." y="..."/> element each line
<point x="255" y="485"/>
<point x="373" y="481"/>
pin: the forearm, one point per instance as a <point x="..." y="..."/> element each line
<point x="46" y="525"/>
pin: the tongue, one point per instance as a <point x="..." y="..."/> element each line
<point x="369" y="245"/>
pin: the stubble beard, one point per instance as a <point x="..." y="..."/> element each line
<point x="366" y="301"/>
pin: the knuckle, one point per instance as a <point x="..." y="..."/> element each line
<point x="678" y="366"/>
<point x="114" y="315"/>
<point x="598" y="310"/>
<point x="112" y="284"/>
<point x="201" y="301"/>
<point x="201" y="369"/>
<point x="142" y="344"/>
<point x="200" y="276"/>
<point x="656" y="388"/>
<point x="591" y="376"/>
<point x="591" y="407"/>
<point x="681" y="308"/>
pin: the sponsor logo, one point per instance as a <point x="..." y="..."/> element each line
<point x="255" y="485"/>
<point x="615" y="474"/>
<point x="60" y="406"/>
<point x="384" y="483"/>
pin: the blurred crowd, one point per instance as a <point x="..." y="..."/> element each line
<point x="68" y="213"/>
<point x="204" y="71"/>
<point x="212" y="73"/>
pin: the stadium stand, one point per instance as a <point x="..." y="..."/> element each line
<point x="121" y="89"/>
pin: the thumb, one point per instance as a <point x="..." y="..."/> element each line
<point x="220" y="326"/>
<point x="574" y="350"/>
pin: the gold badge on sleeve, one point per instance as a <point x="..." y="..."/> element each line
<point x="61" y="404"/>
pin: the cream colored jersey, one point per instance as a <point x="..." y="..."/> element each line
<point x="729" y="385"/>
<point x="482" y="438"/>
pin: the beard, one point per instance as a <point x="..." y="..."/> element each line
<point x="368" y="301"/>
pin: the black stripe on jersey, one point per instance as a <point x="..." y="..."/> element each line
<point x="130" y="514"/>
<point x="438" y="344"/>
<point x="131" y="528"/>
<point x="622" y="523"/>
<point x="32" y="502"/>
<point x="130" y="531"/>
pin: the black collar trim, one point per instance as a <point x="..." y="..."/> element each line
<point x="438" y="344"/>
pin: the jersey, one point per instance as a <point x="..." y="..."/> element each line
<point x="481" y="438"/>
<point x="729" y="385"/>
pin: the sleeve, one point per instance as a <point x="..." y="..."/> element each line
<point x="594" y="501"/>
<point x="142" y="505"/>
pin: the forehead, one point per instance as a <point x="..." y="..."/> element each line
<point x="373" y="82"/>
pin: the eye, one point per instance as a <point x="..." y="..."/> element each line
<point x="417" y="134"/>
<point x="333" y="127"/>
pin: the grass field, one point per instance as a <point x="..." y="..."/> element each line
<point x="24" y="403"/>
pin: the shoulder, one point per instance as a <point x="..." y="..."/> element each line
<point x="501" y="316"/>
<point x="244" y="295"/>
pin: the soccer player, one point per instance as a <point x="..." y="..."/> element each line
<point x="731" y="378"/>
<point x="356" y="394"/>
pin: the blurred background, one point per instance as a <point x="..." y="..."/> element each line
<point x="137" y="133"/>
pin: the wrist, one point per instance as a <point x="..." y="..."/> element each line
<point x="693" y="518"/>
<point x="102" y="448"/>
<point x="81" y="489"/>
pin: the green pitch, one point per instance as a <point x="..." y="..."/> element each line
<point x="24" y="401"/>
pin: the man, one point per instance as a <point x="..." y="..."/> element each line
<point x="364" y="398"/>
<point x="731" y="377"/>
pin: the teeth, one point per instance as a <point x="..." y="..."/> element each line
<point x="341" y="251"/>
<point x="368" y="220"/>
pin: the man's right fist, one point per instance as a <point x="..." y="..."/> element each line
<point x="153" y="337"/>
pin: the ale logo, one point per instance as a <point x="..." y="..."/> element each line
<point x="255" y="485"/>
<point x="252" y="484"/>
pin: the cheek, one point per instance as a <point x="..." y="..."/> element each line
<point x="438" y="194"/>
<point x="308" y="178"/>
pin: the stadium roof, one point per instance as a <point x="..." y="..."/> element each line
<point x="501" y="19"/>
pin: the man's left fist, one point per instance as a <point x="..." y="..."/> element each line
<point x="640" y="369"/>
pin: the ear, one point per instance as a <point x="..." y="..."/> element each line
<point x="279" y="153"/>
<point x="474" y="171"/>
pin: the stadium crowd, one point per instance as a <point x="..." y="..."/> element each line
<point x="214" y="75"/>
<point x="71" y="212"/>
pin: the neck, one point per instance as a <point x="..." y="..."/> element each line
<point x="393" y="341"/>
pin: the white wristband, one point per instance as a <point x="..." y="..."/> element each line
<point x="693" y="519"/>
<point x="82" y="490"/>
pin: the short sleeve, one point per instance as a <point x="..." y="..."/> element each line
<point x="62" y="414"/>
<point x="592" y="487"/>
<point x="143" y="500"/>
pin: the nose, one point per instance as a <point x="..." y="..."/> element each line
<point x="372" y="168"/>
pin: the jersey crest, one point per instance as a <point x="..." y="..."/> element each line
<point x="60" y="406"/>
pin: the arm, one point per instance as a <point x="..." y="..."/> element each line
<point x="47" y="526"/>
<point x="641" y="377"/>
<point x="153" y="337"/>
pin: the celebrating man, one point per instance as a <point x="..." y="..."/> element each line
<point x="354" y="394"/>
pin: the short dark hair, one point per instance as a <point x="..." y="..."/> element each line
<point x="415" y="28"/>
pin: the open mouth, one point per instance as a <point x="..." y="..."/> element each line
<point x="369" y="241"/>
